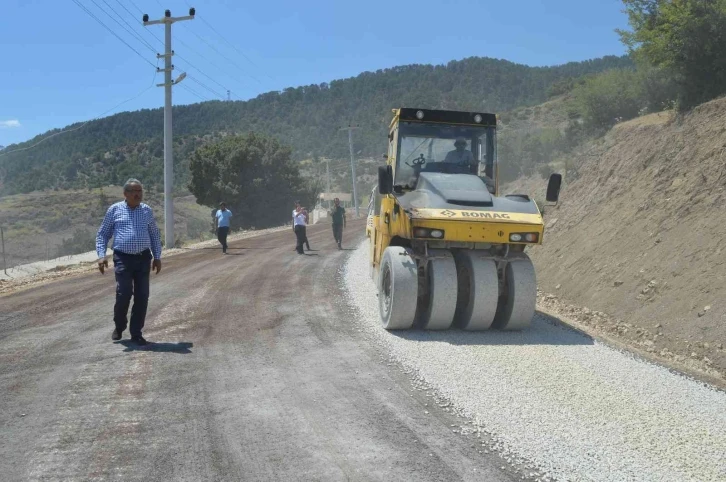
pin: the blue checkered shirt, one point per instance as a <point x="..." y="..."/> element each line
<point x="133" y="230"/>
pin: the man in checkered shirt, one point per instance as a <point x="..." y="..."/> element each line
<point x="135" y="239"/>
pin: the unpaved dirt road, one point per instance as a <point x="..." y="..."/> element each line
<point x="255" y="373"/>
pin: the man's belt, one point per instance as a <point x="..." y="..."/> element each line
<point x="144" y="252"/>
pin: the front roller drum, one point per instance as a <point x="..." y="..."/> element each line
<point x="516" y="307"/>
<point x="397" y="288"/>
<point x="478" y="290"/>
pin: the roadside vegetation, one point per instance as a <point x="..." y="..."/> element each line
<point x="678" y="50"/>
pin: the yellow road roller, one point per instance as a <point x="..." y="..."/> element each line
<point x="446" y="249"/>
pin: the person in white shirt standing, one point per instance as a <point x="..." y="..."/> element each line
<point x="222" y="222"/>
<point x="299" y="223"/>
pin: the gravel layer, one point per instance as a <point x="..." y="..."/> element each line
<point x="550" y="396"/>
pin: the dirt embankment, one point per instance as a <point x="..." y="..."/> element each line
<point x="640" y="235"/>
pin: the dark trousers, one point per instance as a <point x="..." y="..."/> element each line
<point x="222" y="233"/>
<point x="300" y="235"/>
<point x="305" y="236"/>
<point x="338" y="233"/>
<point x="132" y="278"/>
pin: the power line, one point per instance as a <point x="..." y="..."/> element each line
<point x="205" y="86"/>
<point x="190" y="64"/>
<point x="222" y="55"/>
<point x="207" y="76"/>
<point x="203" y="57"/>
<point x="229" y="43"/>
<point x="134" y="17"/>
<point x="143" y="42"/>
<point x="136" y="7"/>
<point x="189" y="89"/>
<point x="130" y="28"/>
<point x="142" y="13"/>
<point x="80" y="5"/>
<point x="90" y="120"/>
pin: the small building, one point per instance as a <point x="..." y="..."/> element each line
<point x="325" y="202"/>
<point x="326" y="199"/>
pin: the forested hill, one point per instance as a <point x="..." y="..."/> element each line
<point x="307" y="118"/>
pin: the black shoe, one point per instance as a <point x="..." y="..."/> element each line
<point x="116" y="335"/>
<point x="139" y="340"/>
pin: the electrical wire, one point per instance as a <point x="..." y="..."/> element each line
<point x="207" y="76"/>
<point x="142" y="13"/>
<point x="5" y="152"/>
<point x="205" y="86"/>
<point x="82" y="7"/>
<point x="130" y="28"/>
<point x="189" y="89"/>
<point x="145" y="44"/>
<point x="228" y="42"/>
<point x="185" y="60"/>
<point x="137" y="7"/>
<point x="222" y="55"/>
<point x="207" y="60"/>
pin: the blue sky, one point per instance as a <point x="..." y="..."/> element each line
<point x="59" y="66"/>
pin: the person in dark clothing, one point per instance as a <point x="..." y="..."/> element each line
<point x="221" y="222"/>
<point x="304" y="231"/>
<point x="299" y="222"/>
<point x="338" y="216"/>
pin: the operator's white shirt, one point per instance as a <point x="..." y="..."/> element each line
<point x="298" y="220"/>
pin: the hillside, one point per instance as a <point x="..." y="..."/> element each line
<point x="44" y="225"/>
<point x="108" y="150"/>
<point x="639" y="235"/>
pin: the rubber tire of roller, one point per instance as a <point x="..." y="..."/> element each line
<point x="478" y="291"/>
<point x="522" y="295"/>
<point x="443" y="287"/>
<point x="398" y="311"/>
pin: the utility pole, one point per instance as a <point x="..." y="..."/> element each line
<point x="2" y="239"/>
<point x="327" y="171"/>
<point x="352" y="165"/>
<point x="229" y="96"/>
<point x="168" y="145"/>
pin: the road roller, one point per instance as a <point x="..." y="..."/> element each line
<point x="446" y="248"/>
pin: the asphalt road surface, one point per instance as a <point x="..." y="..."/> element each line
<point x="254" y="373"/>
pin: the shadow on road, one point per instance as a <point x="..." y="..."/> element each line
<point x="544" y="330"/>
<point x="219" y="248"/>
<point x="180" y="347"/>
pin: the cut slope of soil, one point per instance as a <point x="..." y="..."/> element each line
<point x="640" y="235"/>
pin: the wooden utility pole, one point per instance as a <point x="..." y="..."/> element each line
<point x="2" y="241"/>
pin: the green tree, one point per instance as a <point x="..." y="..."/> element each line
<point x="82" y="240"/>
<point x="254" y="175"/>
<point x="611" y="96"/>
<point x="685" y="38"/>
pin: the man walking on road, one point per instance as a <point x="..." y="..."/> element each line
<point x="135" y="239"/>
<point x="338" y="216"/>
<point x="299" y="221"/>
<point x="301" y="208"/>
<point x="221" y="222"/>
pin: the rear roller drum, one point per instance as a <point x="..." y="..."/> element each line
<point x="442" y="291"/>
<point x="516" y="307"/>
<point x="478" y="290"/>
<point x="397" y="288"/>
